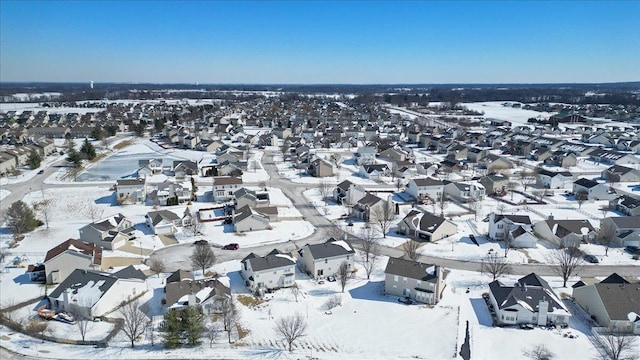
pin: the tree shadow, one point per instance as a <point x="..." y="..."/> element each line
<point x="108" y="199"/>
<point x="264" y="352"/>
<point x="373" y="291"/>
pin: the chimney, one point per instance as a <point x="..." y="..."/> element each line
<point x="550" y="216"/>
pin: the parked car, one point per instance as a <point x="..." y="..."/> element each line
<point x="41" y="171"/>
<point x="201" y="242"/>
<point x="232" y="246"/>
<point x="592" y="259"/>
<point x="405" y="300"/>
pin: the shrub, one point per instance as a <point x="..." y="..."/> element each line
<point x="333" y="301"/>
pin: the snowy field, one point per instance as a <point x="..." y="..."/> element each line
<point x="20" y="107"/>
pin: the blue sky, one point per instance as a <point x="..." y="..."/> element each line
<point x="358" y="42"/>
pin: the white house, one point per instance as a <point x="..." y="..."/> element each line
<point x="464" y="192"/>
<point x="131" y="191"/>
<point x="627" y="229"/>
<point x="95" y="293"/>
<point x="249" y="219"/>
<point x="322" y="260"/>
<point x="373" y="171"/>
<point x="365" y="155"/>
<point x="566" y="233"/>
<point x="272" y="271"/>
<point x="418" y="281"/>
<point x="554" y="180"/>
<point x="163" y="222"/>
<point x="348" y="193"/>
<point x="423" y="226"/>
<point x="72" y="254"/>
<point x="424" y="188"/>
<point x="530" y="301"/>
<point x="592" y="190"/>
<point x="224" y="187"/>
<point x="110" y="233"/>
<point x="501" y="225"/>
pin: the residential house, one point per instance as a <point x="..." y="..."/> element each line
<point x="627" y="229"/>
<point x="613" y="157"/>
<point x="110" y="233"/>
<point x="494" y="162"/>
<point x="626" y="204"/>
<point x="619" y="173"/>
<point x="249" y="219"/>
<point x="592" y="190"/>
<point x="181" y="291"/>
<point x="464" y="192"/>
<point x="95" y="293"/>
<point x="561" y="158"/>
<point x="347" y="193"/>
<point x="224" y="187"/>
<point x="8" y="164"/>
<point x="394" y="154"/>
<point x="374" y="171"/>
<point x="169" y="193"/>
<point x="425" y="188"/>
<point x="494" y="183"/>
<point x="251" y="198"/>
<point x="322" y="260"/>
<point x="272" y="271"/>
<point x="415" y="280"/>
<point x="530" y="301"/>
<point x="554" y="180"/>
<point x="522" y="237"/>
<point x="424" y="226"/>
<point x="181" y="169"/>
<point x="163" y="222"/>
<point x="368" y="206"/>
<point x="321" y="168"/>
<point x="501" y="225"/>
<point x="565" y="233"/>
<point x="61" y="260"/>
<point x="614" y="303"/>
<point x="131" y="191"/>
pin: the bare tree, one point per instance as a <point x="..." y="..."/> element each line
<point x="506" y="238"/>
<point x="194" y="227"/>
<point x="324" y="188"/>
<point x="369" y="255"/>
<point x="512" y="185"/>
<point x="442" y="203"/>
<point x="4" y="252"/>
<point x="81" y="319"/>
<point x="495" y="265"/>
<point x="134" y="321"/>
<point x="410" y="249"/>
<point x="475" y="207"/>
<point x="617" y="346"/>
<point x="527" y="178"/>
<point x="230" y="316"/>
<point x="157" y="265"/>
<point x="343" y="274"/>
<point x="398" y="182"/>
<point x="607" y="235"/>
<point x="566" y="262"/>
<point x="539" y="352"/>
<point x="95" y="212"/>
<point x="43" y="207"/>
<point x="253" y="165"/>
<point x="295" y="290"/>
<point x="604" y="209"/>
<point x="291" y="328"/>
<point x="202" y="257"/>
<point x="213" y="333"/>
<point x="581" y="197"/>
<point x="383" y="217"/>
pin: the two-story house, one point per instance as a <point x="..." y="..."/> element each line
<point x="464" y="192"/>
<point x="272" y="271"/>
<point x="425" y="188"/>
<point x="587" y="189"/>
<point x="322" y="260"/>
<point x="415" y="280"/>
<point x="565" y="233"/>
<point x="424" y="226"/>
<point x="110" y="233"/>
<point x="224" y="187"/>
<point x="131" y="191"/>
<point x="61" y="260"/>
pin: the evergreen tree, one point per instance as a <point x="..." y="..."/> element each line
<point x="73" y="156"/>
<point x="193" y="323"/>
<point x="34" y="159"/>
<point x="171" y="329"/>
<point x="98" y="132"/>
<point x="21" y="218"/>
<point x="88" y="149"/>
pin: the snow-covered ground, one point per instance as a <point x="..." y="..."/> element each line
<point x="20" y="107"/>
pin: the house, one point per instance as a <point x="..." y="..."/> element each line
<point x="494" y="162"/>
<point x="368" y="206"/>
<point x="560" y="158"/>
<point x="614" y="303"/>
<point x="425" y="188"/>
<point x="94" y="293"/>
<point x="110" y="233"/>
<point x="272" y="271"/>
<point x="494" y="183"/>
<point x="373" y="171"/>
<point x="501" y="225"/>
<point x="366" y="155"/>
<point x="181" y="290"/>
<point x="626" y="204"/>
<point x="321" y="168"/>
<point x="529" y="301"/>
<point x="619" y="173"/>
<point x="183" y="168"/>
<point x="394" y="154"/>
<point x="464" y="192"/>
<point x="415" y="280"/>
<point x="554" y="180"/>
<point x="170" y="193"/>
<point x="424" y="226"/>
<point x="151" y="166"/>
<point x="130" y="191"/>
<point x="224" y="187"/>
<point x="251" y="198"/>
<point x="347" y="193"/>
<point x="592" y="190"/>
<point x="61" y="260"/>
<point x="8" y="163"/>
<point x="522" y="237"/>
<point x="163" y="222"/>
<point x="565" y="233"/>
<point x="249" y="219"/>
<point x="322" y="260"/>
<point x="627" y="230"/>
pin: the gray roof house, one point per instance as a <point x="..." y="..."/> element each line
<point x="424" y="226"/>
<point x="418" y="281"/>
<point x="322" y="260"/>
<point x="110" y="233"/>
<point x="565" y="233"/>
<point x="272" y="271"/>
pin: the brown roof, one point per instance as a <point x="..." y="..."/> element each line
<point x="227" y="180"/>
<point x="78" y="246"/>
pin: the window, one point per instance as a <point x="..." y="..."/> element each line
<point x="418" y="282"/>
<point x="404" y="279"/>
<point x="395" y="278"/>
<point x="326" y="261"/>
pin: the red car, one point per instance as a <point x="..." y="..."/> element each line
<point x="232" y="246"/>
